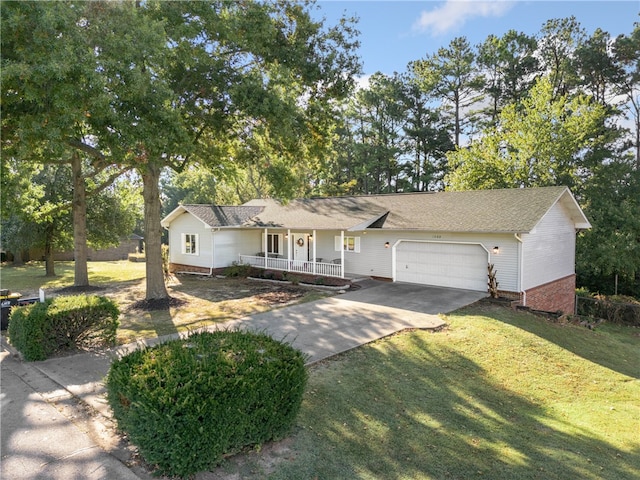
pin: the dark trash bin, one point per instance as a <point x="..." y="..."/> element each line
<point x="7" y="301"/>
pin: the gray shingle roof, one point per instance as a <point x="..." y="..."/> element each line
<point x="223" y="216"/>
<point x="508" y="211"/>
<point x="496" y="211"/>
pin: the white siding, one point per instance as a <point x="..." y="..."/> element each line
<point x="376" y="260"/>
<point x="372" y="260"/>
<point x="187" y="223"/>
<point x="549" y="251"/>
<point x="228" y="244"/>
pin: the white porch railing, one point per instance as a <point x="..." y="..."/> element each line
<point x="301" y="266"/>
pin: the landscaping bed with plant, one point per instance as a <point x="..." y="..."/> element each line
<point x="188" y="403"/>
<point x="296" y="278"/>
<point x="62" y="325"/>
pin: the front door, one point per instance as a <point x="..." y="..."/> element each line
<point x="300" y="246"/>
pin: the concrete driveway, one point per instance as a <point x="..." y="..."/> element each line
<point x="320" y="329"/>
<point x="417" y="298"/>
<point x="39" y="442"/>
<point x="334" y="325"/>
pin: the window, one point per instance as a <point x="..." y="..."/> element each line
<point x="350" y="244"/>
<point x="190" y="243"/>
<point x="273" y="243"/>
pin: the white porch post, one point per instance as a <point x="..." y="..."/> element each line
<point x="264" y="249"/>
<point x="289" y="252"/>
<point x="341" y="253"/>
<point x="313" y="236"/>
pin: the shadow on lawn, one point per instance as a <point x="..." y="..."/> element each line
<point x="437" y="414"/>
<point x="611" y="346"/>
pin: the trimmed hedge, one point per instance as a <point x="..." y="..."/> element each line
<point x="187" y="403"/>
<point x="42" y="329"/>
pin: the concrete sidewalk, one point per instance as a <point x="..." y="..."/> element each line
<point x="46" y="434"/>
<point x="320" y="329"/>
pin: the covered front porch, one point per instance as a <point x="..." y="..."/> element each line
<point x="303" y="252"/>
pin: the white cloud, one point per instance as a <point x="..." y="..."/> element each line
<point x="454" y="13"/>
<point x="362" y="82"/>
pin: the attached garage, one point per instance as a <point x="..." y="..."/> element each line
<point x="454" y="265"/>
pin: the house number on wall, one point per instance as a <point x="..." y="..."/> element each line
<point x="437" y="236"/>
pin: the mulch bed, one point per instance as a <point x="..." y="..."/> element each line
<point x="154" y="304"/>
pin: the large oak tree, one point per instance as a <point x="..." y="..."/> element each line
<point x="154" y="85"/>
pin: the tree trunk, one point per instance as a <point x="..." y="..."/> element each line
<point x="156" y="289"/>
<point x="81" y="275"/>
<point x="50" y="270"/>
<point x="18" y="258"/>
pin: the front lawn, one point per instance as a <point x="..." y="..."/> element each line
<point x="499" y="395"/>
<point x="28" y="278"/>
<point x="198" y="301"/>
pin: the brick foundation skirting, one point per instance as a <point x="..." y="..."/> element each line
<point x="559" y="295"/>
<point x="177" y="267"/>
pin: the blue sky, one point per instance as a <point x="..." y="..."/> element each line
<point x="393" y="33"/>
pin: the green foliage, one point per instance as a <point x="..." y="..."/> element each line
<point x="238" y="270"/>
<point x="187" y="403"/>
<point x="509" y="64"/>
<point x="42" y="329"/>
<point x="541" y="143"/>
<point x="611" y="248"/>
<point x="615" y="309"/>
<point x="451" y="75"/>
<point x="28" y="331"/>
<point x="165" y="259"/>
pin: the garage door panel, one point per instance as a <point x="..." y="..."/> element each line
<point x="442" y="264"/>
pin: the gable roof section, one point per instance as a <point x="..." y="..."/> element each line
<point x="341" y="213"/>
<point x="480" y="211"/>
<point x="496" y="211"/>
<point x="216" y="215"/>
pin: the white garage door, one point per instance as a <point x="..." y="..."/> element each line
<point x="443" y="264"/>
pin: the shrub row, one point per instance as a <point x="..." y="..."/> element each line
<point x="244" y="270"/>
<point x="187" y="403"/>
<point x="62" y="323"/>
<point x="622" y="310"/>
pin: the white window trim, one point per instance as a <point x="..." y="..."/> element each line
<point x="280" y="237"/>
<point x="356" y="244"/>
<point x="196" y="240"/>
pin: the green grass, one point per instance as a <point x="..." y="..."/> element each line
<point x="202" y="301"/>
<point x="28" y="278"/>
<point x="499" y="395"/>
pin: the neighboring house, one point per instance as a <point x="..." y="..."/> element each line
<point x="132" y="244"/>
<point x="444" y="239"/>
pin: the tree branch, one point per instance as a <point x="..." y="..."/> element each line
<point x="94" y="152"/>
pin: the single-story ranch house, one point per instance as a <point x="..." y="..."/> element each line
<point x="445" y="239"/>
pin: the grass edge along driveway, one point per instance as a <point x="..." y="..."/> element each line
<point x="499" y="394"/>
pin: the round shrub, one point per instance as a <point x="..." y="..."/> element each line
<point x="186" y="403"/>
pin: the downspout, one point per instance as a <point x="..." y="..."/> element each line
<point x="520" y="269"/>
<point x="213" y="250"/>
